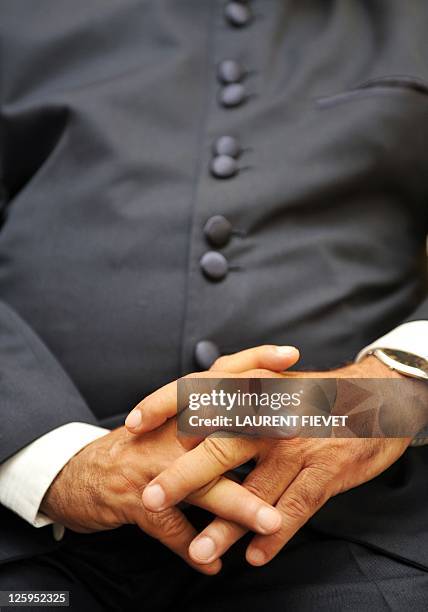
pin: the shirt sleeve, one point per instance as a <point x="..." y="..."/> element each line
<point x="411" y="338"/>
<point x="26" y="476"/>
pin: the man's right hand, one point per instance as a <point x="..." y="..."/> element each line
<point x="101" y="488"/>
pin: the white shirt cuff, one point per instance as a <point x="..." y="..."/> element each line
<point x="27" y="475"/>
<point x="409" y="337"/>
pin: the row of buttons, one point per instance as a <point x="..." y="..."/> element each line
<point x="224" y="165"/>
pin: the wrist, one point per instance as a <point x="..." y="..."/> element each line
<point x="75" y="496"/>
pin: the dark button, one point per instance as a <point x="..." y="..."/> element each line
<point x="237" y="14"/>
<point x="206" y="352"/>
<point x="214" y="265"/>
<point x="218" y="230"/>
<point x="232" y="95"/>
<point x="229" y="71"/>
<point x="223" y="166"/>
<point x="226" y="145"/>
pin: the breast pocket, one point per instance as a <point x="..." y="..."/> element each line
<point x="380" y="130"/>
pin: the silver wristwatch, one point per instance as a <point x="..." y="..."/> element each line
<point x="403" y="362"/>
<point x="408" y="365"/>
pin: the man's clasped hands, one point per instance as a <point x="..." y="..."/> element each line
<point x="138" y="474"/>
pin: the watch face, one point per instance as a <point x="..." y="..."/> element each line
<point x="407" y="359"/>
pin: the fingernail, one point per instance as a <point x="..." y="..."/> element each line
<point x="202" y="549"/>
<point x="268" y="519"/>
<point x="154" y="497"/>
<point x="286" y="351"/>
<point x="133" y="420"/>
<point x="255" y="556"/>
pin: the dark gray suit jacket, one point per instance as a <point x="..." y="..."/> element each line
<point x="109" y="111"/>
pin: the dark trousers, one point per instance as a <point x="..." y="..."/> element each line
<point x="126" y="570"/>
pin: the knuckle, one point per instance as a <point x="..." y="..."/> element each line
<point x="259" y="486"/>
<point x="310" y="496"/>
<point x="168" y="524"/>
<point x="344" y="460"/>
<point x="285" y="453"/>
<point x="329" y="458"/>
<point x="296" y="507"/>
<point x="281" y="466"/>
<point x="219" y="451"/>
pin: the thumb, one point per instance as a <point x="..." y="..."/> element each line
<point x="267" y="357"/>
